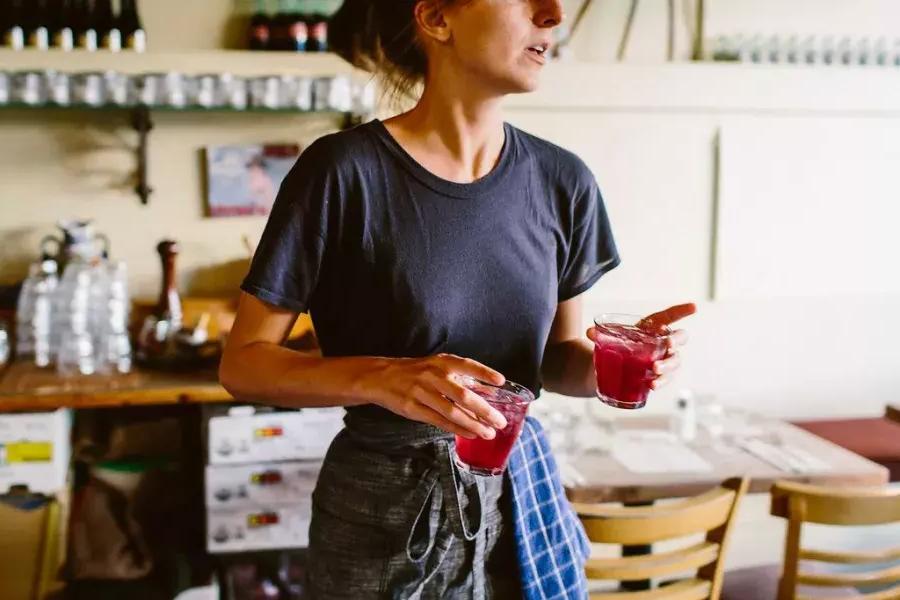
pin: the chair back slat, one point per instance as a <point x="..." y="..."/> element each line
<point x="688" y="589"/>
<point x="852" y="558"/>
<point x="838" y="506"/>
<point x="646" y="525"/>
<point x="649" y="566"/>
<point x="874" y="577"/>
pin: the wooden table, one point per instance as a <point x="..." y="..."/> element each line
<point x="606" y="480"/>
<point x="24" y="387"/>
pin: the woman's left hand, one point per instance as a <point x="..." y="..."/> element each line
<point x="659" y="322"/>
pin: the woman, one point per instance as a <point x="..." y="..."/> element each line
<point x="436" y="244"/>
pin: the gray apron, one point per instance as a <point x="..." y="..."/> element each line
<point x="393" y="517"/>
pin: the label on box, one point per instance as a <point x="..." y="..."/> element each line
<point x="265" y="527"/>
<point x="266" y="483"/>
<point x="293" y="435"/>
<point x="34" y="451"/>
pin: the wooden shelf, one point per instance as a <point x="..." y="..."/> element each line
<point x="238" y="62"/>
<point x="24" y="387"/>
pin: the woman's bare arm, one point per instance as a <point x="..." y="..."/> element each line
<point x="256" y="367"/>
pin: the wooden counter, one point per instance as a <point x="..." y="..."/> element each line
<point x="24" y="387"/>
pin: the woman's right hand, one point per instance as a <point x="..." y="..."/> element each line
<point x="429" y="390"/>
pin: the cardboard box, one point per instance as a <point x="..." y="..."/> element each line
<point x="272" y="436"/>
<point x="265" y="527"/>
<point x="35" y="451"/>
<point x="241" y="486"/>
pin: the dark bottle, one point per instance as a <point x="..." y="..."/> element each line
<point x="84" y="24"/>
<point x="37" y="29"/>
<point x="134" y="37"/>
<point x="62" y="35"/>
<point x="298" y="30"/>
<point x="318" y="33"/>
<point x="108" y="33"/>
<point x="259" y="31"/>
<point x="12" y="28"/>
<point x="280" y="28"/>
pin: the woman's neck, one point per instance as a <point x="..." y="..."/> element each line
<point x="453" y="134"/>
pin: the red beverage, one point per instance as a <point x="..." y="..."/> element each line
<point x="488" y="457"/>
<point x="623" y="360"/>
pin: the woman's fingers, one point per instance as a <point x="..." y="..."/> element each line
<point x="472" y="368"/>
<point x="455" y="414"/>
<point x="666" y="366"/>
<point x="422" y="413"/>
<point x="677" y="338"/>
<point x="659" y="320"/>
<point x="471" y="402"/>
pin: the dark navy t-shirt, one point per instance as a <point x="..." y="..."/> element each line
<point x="391" y="260"/>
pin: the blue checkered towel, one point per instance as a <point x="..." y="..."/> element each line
<point x="551" y="542"/>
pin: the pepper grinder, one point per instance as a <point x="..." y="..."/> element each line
<point x="168" y="308"/>
<point x="160" y="327"/>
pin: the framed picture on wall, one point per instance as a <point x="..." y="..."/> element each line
<point x="243" y="180"/>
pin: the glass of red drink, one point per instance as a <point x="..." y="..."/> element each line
<point x="488" y="457"/>
<point x="623" y="360"/>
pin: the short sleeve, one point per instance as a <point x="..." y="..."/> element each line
<point x="286" y="265"/>
<point x="591" y="251"/>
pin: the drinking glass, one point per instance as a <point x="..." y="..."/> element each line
<point x="89" y="89"/>
<point x="598" y="429"/>
<point x="489" y="457"/>
<point x="623" y="359"/>
<point x="296" y="92"/>
<point x="4" y="344"/>
<point x="4" y="87"/>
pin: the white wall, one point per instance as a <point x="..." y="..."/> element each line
<point x="801" y="354"/>
<point x="601" y="30"/>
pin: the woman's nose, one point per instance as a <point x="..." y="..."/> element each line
<point x="548" y="13"/>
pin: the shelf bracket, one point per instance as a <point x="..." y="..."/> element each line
<point x="141" y="122"/>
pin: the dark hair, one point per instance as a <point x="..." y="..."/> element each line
<point x="380" y="36"/>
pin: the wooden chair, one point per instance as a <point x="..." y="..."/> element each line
<point x="710" y="514"/>
<point x="802" y="503"/>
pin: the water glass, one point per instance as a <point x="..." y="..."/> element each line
<point x="205" y="91"/>
<point x="4" y="87"/>
<point x="29" y="87"/>
<point x="59" y="88"/>
<point x="72" y="321"/>
<point x="146" y="89"/>
<point x="296" y="92"/>
<point x="75" y="355"/>
<point x="4" y="344"/>
<point x="88" y="89"/>
<point x="234" y="91"/>
<point x="710" y="416"/>
<point x="34" y="313"/>
<point x="598" y="429"/>
<point x="118" y="88"/>
<point x="338" y="94"/>
<point x="174" y="90"/>
<point x="265" y="92"/>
